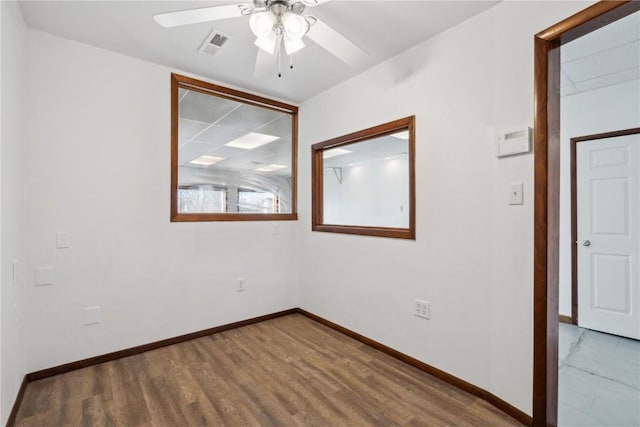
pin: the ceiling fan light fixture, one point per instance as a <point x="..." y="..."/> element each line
<point x="268" y="43"/>
<point x="295" y="26"/>
<point x="291" y="45"/>
<point x="262" y="23"/>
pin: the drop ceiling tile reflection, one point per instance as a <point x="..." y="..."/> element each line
<point x="227" y="152"/>
<point x="192" y="151"/>
<point x="240" y="164"/>
<point x="608" y="80"/>
<point x="615" y="60"/>
<point x="280" y="159"/>
<point x="279" y="127"/>
<point x="191" y="174"/>
<point x="565" y="81"/>
<point x="249" y="118"/>
<point x="622" y="32"/>
<point x="219" y="135"/>
<point x="371" y="150"/>
<point x="568" y="90"/>
<point x="256" y="156"/>
<point x="205" y="108"/>
<point x="276" y="147"/>
<point x="188" y="129"/>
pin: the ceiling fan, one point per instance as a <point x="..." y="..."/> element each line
<point x="274" y="23"/>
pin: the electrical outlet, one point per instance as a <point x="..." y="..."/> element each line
<point x="240" y="285"/>
<point x="422" y="309"/>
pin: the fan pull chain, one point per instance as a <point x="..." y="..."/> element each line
<point x="291" y="62"/>
<point x="279" y="64"/>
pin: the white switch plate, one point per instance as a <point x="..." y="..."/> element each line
<point x="240" y="285"/>
<point x="515" y="193"/>
<point x="92" y="315"/>
<point x="44" y="276"/>
<point x="62" y="240"/>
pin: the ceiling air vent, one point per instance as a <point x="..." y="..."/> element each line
<point x="214" y="43"/>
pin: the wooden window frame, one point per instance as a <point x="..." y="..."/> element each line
<point x="317" y="176"/>
<point x="188" y="83"/>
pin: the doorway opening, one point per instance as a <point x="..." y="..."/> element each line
<point x="547" y="195"/>
<point x="604" y="240"/>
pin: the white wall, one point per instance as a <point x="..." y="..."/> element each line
<point x="98" y="141"/>
<point x="606" y="109"/>
<point x="372" y="193"/>
<point x="473" y="256"/>
<point x="97" y="166"/>
<point x="12" y="296"/>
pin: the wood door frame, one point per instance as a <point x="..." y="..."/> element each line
<point x="547" y="195"/>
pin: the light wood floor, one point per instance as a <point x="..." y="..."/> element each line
<point x="282" y="372"/>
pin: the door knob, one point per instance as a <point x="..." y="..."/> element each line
<point x="586" y="243"/>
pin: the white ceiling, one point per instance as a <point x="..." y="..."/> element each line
<point x="382" y="28"/>
<point x="605" y="57"/>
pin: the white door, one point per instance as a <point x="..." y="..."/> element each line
<point x="608" y="201"/>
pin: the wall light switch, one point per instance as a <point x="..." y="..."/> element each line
<point x="62" y="240"/>
<point x="515" y="193"/>
<point x="92" y="315"/>
<point x="44" y="276"/>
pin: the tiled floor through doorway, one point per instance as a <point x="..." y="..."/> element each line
<point x="598" y="379"/>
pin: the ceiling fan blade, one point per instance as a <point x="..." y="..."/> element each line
<point x="313" y="3"/>
<point x="195" y="16"/>
<point x="265" y="63"/>
<point x="337" y="44"/>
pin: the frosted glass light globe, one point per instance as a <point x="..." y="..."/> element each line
<point x="292" y="45"/>
<point x="295" y="26"/>
<point x="262" y="23"/>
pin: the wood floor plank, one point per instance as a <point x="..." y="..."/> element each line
<point x="288" y="371"/>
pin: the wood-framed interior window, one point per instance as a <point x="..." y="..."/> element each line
<point x="227" y="140"/>
<point x="364" y="182"/>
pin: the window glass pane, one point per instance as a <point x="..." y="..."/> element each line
<point x="227" y="143"/>
<point x="363" y="182"/>
<point x="367" y="183"/>
<point x="200" y="199"/>
<point x="257" y="202"/>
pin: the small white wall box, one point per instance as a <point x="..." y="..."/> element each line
<point x="516" y="142"/>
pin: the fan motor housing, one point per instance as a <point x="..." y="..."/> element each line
<point x="279" y="7"/>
